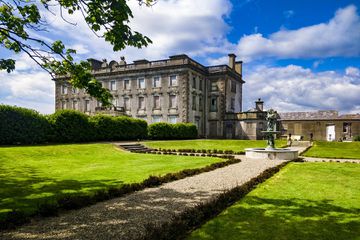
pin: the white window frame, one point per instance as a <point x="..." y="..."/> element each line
<point x="127" y="87"/>
<point x="171" y="83"/>
<point x="139" y="84"/>
<point x="159" y="82"/>
<point x="113" y="85"/>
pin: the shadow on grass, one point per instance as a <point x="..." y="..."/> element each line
<point x="261" y="218"/>
<point x="25" y="190"/>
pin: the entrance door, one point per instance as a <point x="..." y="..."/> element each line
<point x="330" y="133"/>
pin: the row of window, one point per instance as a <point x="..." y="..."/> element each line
<point x="194" y="83"/>
<point x="141" y="83"/>
<point x="157" y="118"/>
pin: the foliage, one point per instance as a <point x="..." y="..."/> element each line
<point x="324" y="149"/>
<point x="118" y="128"/>
<point x="316" y="200"/>
<point x="22" y="126"/>
<point x="172" y="131"/>
<point x="357" y="138"/>
<point x="40" y="175"/>
<point x="21" y="22"/>
<point x="70" y="126"/>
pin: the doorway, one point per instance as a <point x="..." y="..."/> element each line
<point x="330" y="133"/>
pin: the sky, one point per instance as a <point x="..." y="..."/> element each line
<point x="297" y="55"/>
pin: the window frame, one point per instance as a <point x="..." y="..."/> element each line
<point x="171" y="80"/>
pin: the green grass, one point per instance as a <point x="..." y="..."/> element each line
<point x="334" y="150"/>
<point x="33" y="175"/>
<point x="303" y="201"/>
<point x="235" y="145"/>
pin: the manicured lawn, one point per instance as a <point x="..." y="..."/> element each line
<point x="334" y="150"/>
<point x="303" y="201"/>
<point x="235" y="145"/>
<point x="31" y="175"/>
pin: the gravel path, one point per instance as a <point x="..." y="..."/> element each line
<point x="126" y="217"/>
<point x="312" y="159"/>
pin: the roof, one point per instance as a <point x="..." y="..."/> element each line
<point x="318" y="115"/>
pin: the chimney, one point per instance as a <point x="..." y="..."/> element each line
<point x="232" y="60"/>
<point x="238" y="67"/>
<point x="259" y="105"/>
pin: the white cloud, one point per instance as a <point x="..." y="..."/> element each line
<point x="288" y="13"/>
<point x="294" y="88"/>
<point x="339" y="37"/>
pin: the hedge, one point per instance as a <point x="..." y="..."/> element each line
<point x="357" y="138"/>
<point x="172" y="131"/>
<point x="22" y="126"/>
<point x="71" y="126"/>
<point x="118" y="128"/>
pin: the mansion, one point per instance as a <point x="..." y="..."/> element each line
<point x="177" y="89"/>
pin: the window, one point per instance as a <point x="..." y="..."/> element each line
<point x="113" y="85"/>
<point x="214" y="86"/>
<point x="156" y="119"/>
<point x="194" y="102"/>
<point x="194" y="82"/>
<point x="200" y="104"/>
<point x="75" y="105"/>
<point x="156" y="102"/>
<point x="232" y="104"/>
<point x="63" y="105"/>
<point x="63" y="89"/>
<point x="115" y="102"/>
<point x="87" y="105"/>
<point x="213" y="104"/>
<point x="172" y="119"/>
<point x="141" y="83"/>
<point x="233" y="86"/>
<point x="173" y="80"/>
<point x="127" y="84"/>
<point x="127" y="103"/>
<point x="200" y="84"/>
<point x="75" y="90"/>
<point x="156" y="82"/>
<point x="141" y="103"/>
<point x="172" y="101"/>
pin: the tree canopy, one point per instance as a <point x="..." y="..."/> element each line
<point x="108" y="19"/>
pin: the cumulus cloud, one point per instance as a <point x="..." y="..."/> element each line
<point x="294" y="88"/>
<point x="338" y="37"/>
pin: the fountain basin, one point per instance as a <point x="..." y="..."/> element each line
<point x="271" y="153"/>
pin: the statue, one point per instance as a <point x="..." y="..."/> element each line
<point x="271" y="119"/>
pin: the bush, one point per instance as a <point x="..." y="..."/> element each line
<point x="71" y="126"/>
<point x="172" y="131"/>
<point x="22" y="126"/>
<point x="357" y="138"/>
<point x="118" y="128"/>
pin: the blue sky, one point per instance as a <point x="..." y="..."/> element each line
<point x="298" y="55"/>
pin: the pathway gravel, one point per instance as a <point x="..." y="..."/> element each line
<point x="127" y="217"/>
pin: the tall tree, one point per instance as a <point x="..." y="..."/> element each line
<point x="108" y="19"/>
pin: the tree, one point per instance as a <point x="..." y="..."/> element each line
<point x="108" y="19"/>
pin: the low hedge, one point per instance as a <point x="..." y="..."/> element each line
<point x="357" y="138"/>
<point x="172" y="131"/>
<point x="22" y="126"/>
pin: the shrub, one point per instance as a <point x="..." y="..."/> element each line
<point x="172" y="131"/>
<point x="22" y="126"/>
<point x="71" y="126"/>
<point x="357" y="138"/>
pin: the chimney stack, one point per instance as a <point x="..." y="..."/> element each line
<point x="259" y="105"/>
<point x="238" y="67"/>
<point x="232" y="60"/>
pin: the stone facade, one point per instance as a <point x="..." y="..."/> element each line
<point x="177" y="89"/>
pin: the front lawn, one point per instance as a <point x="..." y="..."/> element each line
<point x="33" y="175"/>
<point x="302" y="201"/>
<point x="211" y="144"/>
<point x="334" y="150"/>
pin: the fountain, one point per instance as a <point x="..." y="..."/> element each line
<point x="270" y="152"/>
